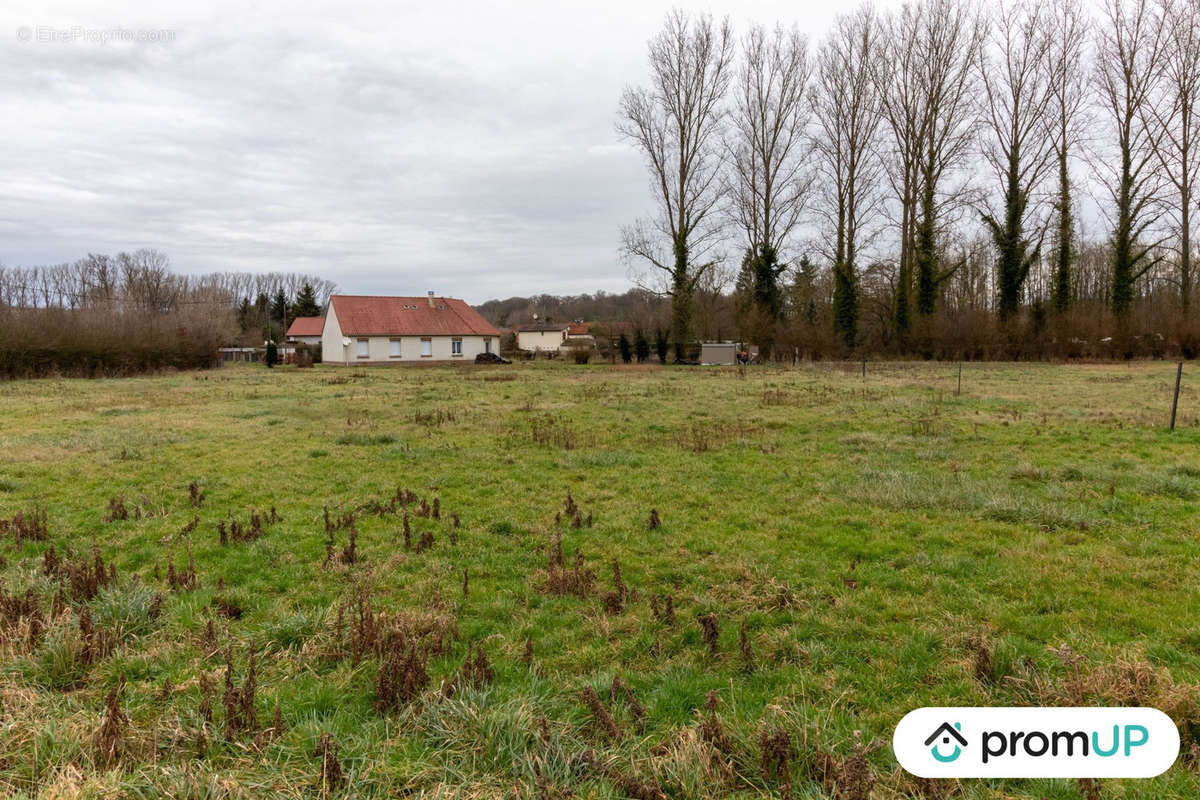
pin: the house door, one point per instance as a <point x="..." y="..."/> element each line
<point x="487" y="345"/>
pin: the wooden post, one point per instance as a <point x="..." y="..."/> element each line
<point x="864" y="368"/>
<point x="959" y="389"/>
<point x="1175" y="400"/>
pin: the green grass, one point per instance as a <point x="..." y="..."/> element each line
<point x="873" y="535"/>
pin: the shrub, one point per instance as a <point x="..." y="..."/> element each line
<point x="36" y="342"/>
<point x="641" y="347"/>
<point x="661" y="345"/>
<point x="625" y="348"/>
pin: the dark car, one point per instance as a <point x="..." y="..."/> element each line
<point x="491" y="358"/>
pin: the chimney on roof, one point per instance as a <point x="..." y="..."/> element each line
<point x="431" y="299"/>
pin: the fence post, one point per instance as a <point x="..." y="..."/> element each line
<point x="959" y="389"/>
<point x="1175" y="399"/>
<point x="864" y="368"/>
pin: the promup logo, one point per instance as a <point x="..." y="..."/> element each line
<point x="1036" y="742"/>
<point x="947" y="732"/>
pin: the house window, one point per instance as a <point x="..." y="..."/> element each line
<point x="426" y="347"/>
<point x="394" y="348"/>
<point x="363" y="348"/>
<point x="456" y="346"/>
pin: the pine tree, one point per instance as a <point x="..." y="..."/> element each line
<point x="760" y="299"/>
<point x="245" y="314"/>
<point x="306" y="302"/>
<point x="279" y="307"/>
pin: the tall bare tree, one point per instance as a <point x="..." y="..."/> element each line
<point x="769" y="184"/>
<point x="1129" y="62"/>
<point x="952" y="33"/>
<point x="1066" y="33"/>
<point x="848" y="108"/>
<point x="1016" y="99"/>
<point x="1175" y="111"/>
<point x="930" y="80"/>
<point x="677" y="123"/>
<point x="901" y="92"/>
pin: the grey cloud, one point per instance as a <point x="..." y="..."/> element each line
<point x="467" y="148"/>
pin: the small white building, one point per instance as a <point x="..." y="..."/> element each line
<point x="541" y="337"/>
<point x="391" y="330"/>
<point x="307" y="330"/>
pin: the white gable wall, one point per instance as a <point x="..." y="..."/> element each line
<point x="332" y="351"/>
<point x="540" y="340"/>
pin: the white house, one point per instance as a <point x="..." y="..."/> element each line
<point x="541" y="337"/>
<point x="390" y="330"/>
<point x="579" y="337"/>
<point x="306" y="329"/>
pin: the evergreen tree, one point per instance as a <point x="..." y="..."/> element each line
<point x="625" y="348"/>
<point x="641" y="347"/>
<point x="306" y="302"/>
<point x="279" y="307"/>
<point x="272" y="354"/>
<point x="760" y="299"/>
<point x="245" y="314"/>
<point x="661" y="346"/>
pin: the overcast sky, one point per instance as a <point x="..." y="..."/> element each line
<point x="467" y="148"/>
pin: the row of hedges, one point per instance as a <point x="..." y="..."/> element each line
<point x="41" y="342"/>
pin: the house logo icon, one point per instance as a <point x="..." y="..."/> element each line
<point x="945" y="733"/>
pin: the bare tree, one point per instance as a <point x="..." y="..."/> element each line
<point x="1016" y="100"/>
<point x="1174" y="112"/>
<point x="849" y="112"/>
<point x="1129" y="62"/>
<point x="929" y="81"/>
<point x="1067" y="32"/>
<point x="677" y="124"/>
<point x="904" y="109"/>
<point x="769" y="182"/>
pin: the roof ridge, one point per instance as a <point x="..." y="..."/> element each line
<point x="399" y="296"/>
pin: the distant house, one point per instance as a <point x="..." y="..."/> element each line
<point x="389" y="330"/>
<point x="579" y="337"/>
<point x="306" y="329"/>
<point x="541" y="337"/>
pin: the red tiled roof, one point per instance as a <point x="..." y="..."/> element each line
<point x="408" y="316"/>
<point x="578" y="329"/>
<point x="306" y="326"/>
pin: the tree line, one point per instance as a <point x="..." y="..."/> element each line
<point x="130" y="313"/>
<point x="912" y="181"/>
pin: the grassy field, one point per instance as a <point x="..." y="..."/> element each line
<point x="832" y="552"/>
